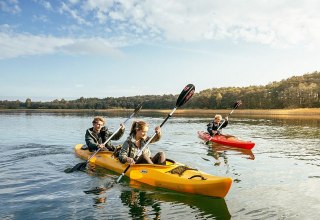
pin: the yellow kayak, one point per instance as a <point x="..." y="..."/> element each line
<point x="173" y="175"/>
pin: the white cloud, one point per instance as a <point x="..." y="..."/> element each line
<point x="279" y="24"/>
<point x="10" y="6"/>
<point x="41" y="18"/>
<point x="73" y="1"/>
<point x="91" y="47"/>
<point x="265" y="22"/>
<point x="46" y="5"/>
<point x="73" y="13"/>
<point x="275" y="23"/>
<point x="15" y="45"/>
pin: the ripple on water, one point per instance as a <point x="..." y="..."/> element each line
<point x="281" y="179"/>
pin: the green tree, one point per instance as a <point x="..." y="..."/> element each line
<point x="28" y="103"/>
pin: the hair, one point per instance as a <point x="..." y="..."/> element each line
<point x="99" y="118"/>
<point x="137" y="125"/>
<point x="218" y="117"/>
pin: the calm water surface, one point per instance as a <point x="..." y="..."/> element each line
<point x="278" y="179"/>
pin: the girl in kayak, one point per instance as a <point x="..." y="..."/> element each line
<point x="216" y="124"/>
<point x="98" y="134"/>
<point x="136" y="140"/>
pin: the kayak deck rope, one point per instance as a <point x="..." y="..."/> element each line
<point x="180" y="170"/>
<point x="203" y="178"/>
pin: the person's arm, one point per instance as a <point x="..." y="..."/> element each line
<point x="119" y="134"/>
<point x="123" y="155"/>
<point x="225" y="123"/>
<point x="209" y="128"/>
<point x="91" y="142"/>
<point x="158" y="135"/>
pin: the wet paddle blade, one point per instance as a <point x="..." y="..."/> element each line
<point x="99" y="189"/>
<point x="137" y="108"/>
<point x="78" y="167"/>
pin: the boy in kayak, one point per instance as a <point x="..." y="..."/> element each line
<point x="216" y="124"/>
<point x="136" y="140"/>
<point x="98" y="134"/>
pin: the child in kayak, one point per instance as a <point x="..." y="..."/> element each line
<point x="216" y="124"/>
<point x="98" y="134"/>
<point x="136" y="140"/>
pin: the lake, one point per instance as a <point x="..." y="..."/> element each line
<point x="278" y="179"/>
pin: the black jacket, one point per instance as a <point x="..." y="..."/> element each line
<point x="212" y="126"/>
<point x="93" y="140"/>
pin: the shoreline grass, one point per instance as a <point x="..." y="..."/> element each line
<point x="300" y="112"/>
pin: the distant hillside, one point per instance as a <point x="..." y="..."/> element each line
<point x="295" y="92"/>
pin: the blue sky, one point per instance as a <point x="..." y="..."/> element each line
<point x="94" y="48"/>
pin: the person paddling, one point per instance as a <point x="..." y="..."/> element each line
<point x="214" y="127"/>
<point x="98" y="134"/>
<point x="136" y="140"/>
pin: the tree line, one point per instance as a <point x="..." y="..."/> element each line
<point x="295" y="92"/>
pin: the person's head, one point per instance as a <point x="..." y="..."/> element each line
<point x="217" y="118"/>
<point x="139" y="129"/>
<point x="98" y="122"/>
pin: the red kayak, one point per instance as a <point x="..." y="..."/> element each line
<point x="226" y="140"/>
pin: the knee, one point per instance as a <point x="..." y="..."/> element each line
<point x="162" y="156"/>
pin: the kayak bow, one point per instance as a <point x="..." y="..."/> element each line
<point x="226" y="140"/>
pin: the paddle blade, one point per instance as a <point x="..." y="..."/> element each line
<point x="185" y="95"/>
<point x="99" y="189"/>
<point x="137" y="108"/>
<point x="237" y="104"/>
<point x="78" y="167"/>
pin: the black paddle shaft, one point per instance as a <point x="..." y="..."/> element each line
<point x="235" y="106"/>
<point x="184" y="96"/>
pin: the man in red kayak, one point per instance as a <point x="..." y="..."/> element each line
<point x="215" y="126"/>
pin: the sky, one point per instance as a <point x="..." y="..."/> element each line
<point x="69" y="49"/>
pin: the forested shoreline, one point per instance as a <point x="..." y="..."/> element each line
<point x="292" y="93"/>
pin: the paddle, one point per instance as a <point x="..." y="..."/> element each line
<point x="82" y="166"/>
<point x="184" y="96"/>
<point x="235" y="106"/>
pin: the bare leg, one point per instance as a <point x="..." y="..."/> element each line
<point x="159" y="158"/>
<point x="144" y="160"/>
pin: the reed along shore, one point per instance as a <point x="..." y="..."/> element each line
<point x="274" y="113"/>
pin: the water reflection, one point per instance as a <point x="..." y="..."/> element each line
<point x="218" y="149"/>
<point x="204" y="207"/>
<point x="150" y="202"/>
<point x="101" y="195"/>
<point x="220" y="153"/>
<point x="141" y="205"/>
<point x="147" y="202"/>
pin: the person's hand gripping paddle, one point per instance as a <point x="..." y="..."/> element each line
<point x="82" y="166"/>
<point x="184" y="96"/>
